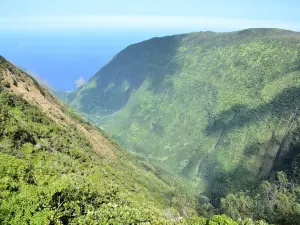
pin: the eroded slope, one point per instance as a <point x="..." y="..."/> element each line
<point x="56" y="168"/>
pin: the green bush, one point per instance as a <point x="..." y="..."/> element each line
<point x="222" y="220"/>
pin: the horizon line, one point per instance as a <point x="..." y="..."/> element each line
<point x="141" y="22"/>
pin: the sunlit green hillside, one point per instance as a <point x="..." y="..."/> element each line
<point x="215" y="108"/>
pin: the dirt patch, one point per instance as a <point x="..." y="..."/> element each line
<point x="23" y="85"/>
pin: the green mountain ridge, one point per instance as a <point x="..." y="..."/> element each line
<point x="56" y="168"/>
<point x="217" y="108"/>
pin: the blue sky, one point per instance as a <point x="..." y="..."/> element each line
<point x="214" y="14"/>
<point x="64" y="40"/>
<point x="254" y="9"/>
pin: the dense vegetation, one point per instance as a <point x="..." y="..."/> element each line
<point x="216" y="108"/>
<point x="49" y="174"/>
<point x="276" y="202"/>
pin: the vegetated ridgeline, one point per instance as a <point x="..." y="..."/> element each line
<point x="219" y="109"/>
<point x="212" y="107"/>
<point x="56" y="168"/>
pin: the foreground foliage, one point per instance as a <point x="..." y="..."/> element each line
<point x="277" y="202"/>
<point x="49" y="173"/>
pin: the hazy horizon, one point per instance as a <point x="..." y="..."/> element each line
<point x="65" y="41"/>
<point x="71" y="54"/>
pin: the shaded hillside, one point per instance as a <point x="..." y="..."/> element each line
<point x="213" y="107"/>
<point x="56" y="168"/>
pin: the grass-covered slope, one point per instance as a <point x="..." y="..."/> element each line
<point x="55" y="168"/>
<point x="213" y="107"/>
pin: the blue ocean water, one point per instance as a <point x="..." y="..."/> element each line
<point x="61" y="57"/>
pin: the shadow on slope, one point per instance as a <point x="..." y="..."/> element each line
<point x="274" y="154"/>
<point x="283" y="105"/>
<point x="112" y="86"/>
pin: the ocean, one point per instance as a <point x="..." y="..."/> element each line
<point x="61" y="57"/>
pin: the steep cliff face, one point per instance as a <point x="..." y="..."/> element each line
<point x="56" y="168"/>
<point x="213" y="107"/>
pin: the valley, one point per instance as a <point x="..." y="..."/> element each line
<point x="211" y="107"/>
<point x="193" y="129"/>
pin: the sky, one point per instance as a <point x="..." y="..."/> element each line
<point x="68" y="41"/>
